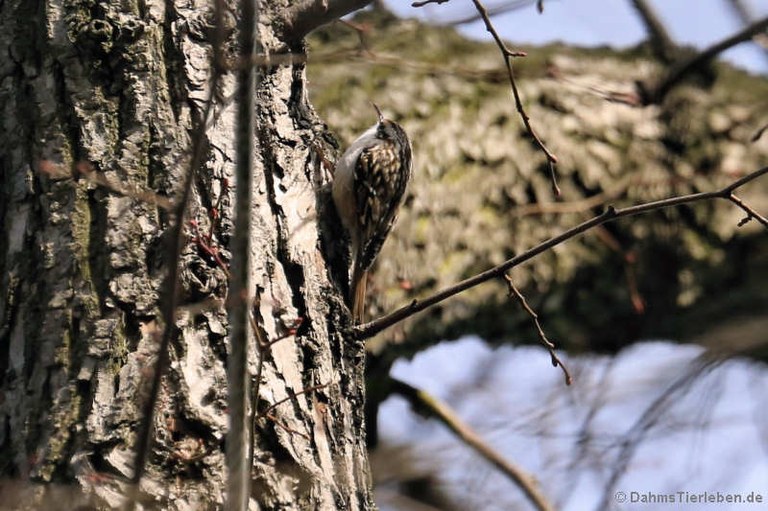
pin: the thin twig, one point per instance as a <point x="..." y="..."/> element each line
<point x="87" y="171"/>
<point x="427" y="2"/>
<point x="203" y="242"/>
<point x="703" y="364"/>
<point x="513" y="291"/>
<point x="169" y="301"/>
<point x="629" y="259"/>
<point x="362" y="30"/>
<point x="286" y="399"/>
<point x="751" y="213"/>
<point x="286" y="427"/>
<point x="372" y="328"/>
<point x="553" y="178"/>
<point x="368" y="56"/>
<point x="508" y="54"/>
<point x="125" y="189"/>
<point x="617" y="190"/>
<point x="261" y="347"/>
<point x="462" y="18"/>
<point x="759" y="133"/>
<point x="303" y="16"/>
<point x="422" y="401"/>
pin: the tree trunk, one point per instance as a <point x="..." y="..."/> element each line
<point x="112" y="92"/>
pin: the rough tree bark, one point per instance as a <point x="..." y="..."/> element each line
<point x="119" y="88"/>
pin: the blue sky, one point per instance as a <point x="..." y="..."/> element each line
<point x="710" y="438"/>
<point x="611" y="22"/>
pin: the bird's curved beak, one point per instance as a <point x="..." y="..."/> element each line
<point x="378" y="111"/>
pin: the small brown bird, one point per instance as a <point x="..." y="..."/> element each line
<point x="368" y="188"/>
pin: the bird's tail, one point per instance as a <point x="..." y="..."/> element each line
<point x="359" y="283"/>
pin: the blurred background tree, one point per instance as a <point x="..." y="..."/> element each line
<point x="482" y="194"/>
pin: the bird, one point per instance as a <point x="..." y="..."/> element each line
<point x="369" y="185"/>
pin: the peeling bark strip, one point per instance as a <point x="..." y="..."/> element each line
<point x="122" y="86"/>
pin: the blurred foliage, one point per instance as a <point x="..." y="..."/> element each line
<point x="482" y="193"/>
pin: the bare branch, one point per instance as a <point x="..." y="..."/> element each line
<point x="747" y="17"/>
<point x="306" y="15"/>
<point x="427" y="2"/>
<point x="682" y="69"/>
<point x="238" y="435"/>
<point x="433" y="407"/>
<point x="658" y="35"/>
<point x="372" y="328"/>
